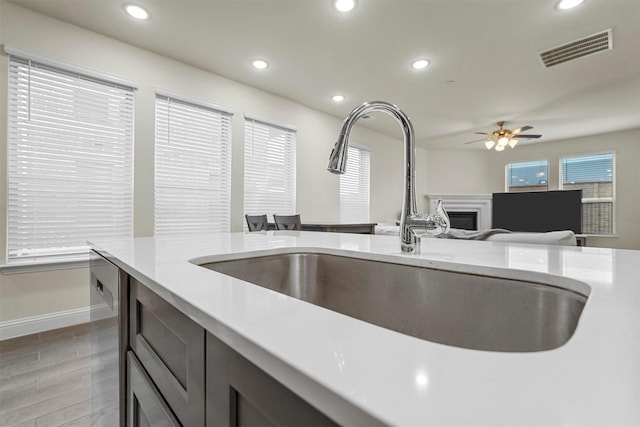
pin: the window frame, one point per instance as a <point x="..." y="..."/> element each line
<point x="251" y="204"/>
<point x="346" y="216"/>
<point x="508" y="177"/>
<point x="95" y="86"/>
<point x="587" y="200"/>
<point x="171" y="223"/>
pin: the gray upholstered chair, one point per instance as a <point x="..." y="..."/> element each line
<point x="287" y="222"/>
<point x="257" y="222"/>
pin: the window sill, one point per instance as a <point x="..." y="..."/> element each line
<point x="44" y="265"/>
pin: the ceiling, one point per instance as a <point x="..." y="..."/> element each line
<point x="484" y="54"/>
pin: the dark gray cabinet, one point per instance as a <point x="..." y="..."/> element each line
<point x="146" y="406"/>
<point x="240" y="394"/>
<point x="170" y="347"/>
<point x="180" y="375"/>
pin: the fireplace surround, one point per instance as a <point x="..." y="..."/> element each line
<point x="479" y="203"/>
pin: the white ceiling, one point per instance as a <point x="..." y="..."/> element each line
<point x="484" y="53"/>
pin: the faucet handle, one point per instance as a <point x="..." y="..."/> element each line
<point x="441" y="212"/>
<point x="437" y="223"/>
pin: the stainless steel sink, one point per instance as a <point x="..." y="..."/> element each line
<point x="463" y="310"/>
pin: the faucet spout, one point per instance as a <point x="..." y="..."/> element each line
<point x="412" y="224"/>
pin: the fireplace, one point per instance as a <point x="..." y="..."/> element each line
<point x="456" y="204"/>
<point x="464" y="220"/>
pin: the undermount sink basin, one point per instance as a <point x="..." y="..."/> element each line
<point x="457" y="309"/>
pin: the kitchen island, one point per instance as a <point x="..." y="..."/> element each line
<point x="357" y="373"/>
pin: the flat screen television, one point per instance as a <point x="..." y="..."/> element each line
<point x="538" y="211"/>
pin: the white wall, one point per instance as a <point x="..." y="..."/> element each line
<point x="386" y="188"/>
<point x="458" y="172"/>
<point x="34" y="294"/>
<point x="317" y="190"/>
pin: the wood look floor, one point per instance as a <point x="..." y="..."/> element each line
<point x="45" y="378"/>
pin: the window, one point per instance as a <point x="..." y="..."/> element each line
<point x="269" y="168"/>
<point x="528" y="176"/>
<point x="593" y="174"/>
<point x="354" y="187"/>
<point x="192" y="168"/>
<point x="70" y="161"/>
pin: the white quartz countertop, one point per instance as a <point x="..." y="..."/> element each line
<point x="361" y="374"/>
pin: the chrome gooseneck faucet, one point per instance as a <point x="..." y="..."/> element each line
<point x="413" y="225"/>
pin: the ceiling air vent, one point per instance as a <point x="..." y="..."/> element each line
<point x="577" y="49"/>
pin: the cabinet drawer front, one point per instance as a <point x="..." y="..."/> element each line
<point x="170" y="346"/>
<point x="241" y="394"/>
<point x="146" y="406"/>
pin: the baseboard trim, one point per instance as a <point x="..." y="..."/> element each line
<point x="46" y="322"/>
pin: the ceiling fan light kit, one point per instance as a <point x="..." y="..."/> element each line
<point x="501" y="144"/>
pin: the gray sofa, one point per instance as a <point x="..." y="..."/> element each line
<point x="560" y="238"/>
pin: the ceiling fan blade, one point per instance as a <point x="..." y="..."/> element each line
<point x="477" y="140"/>
<point x="528" y="136"/>
<point x="522" y="129"/>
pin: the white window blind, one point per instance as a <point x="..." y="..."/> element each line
<point x="528" y="176"/>
<point x="354" y="187"/>
<point x="192" y="168"/>
<point x="269" y="169"/>
<point x="594" y="175"/>
<point x="70" y="163"/>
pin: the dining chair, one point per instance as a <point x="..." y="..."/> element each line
<point x="287" y="222"/>
<point x="257" y="222"/>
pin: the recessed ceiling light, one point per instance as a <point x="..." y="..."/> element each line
<point x="338" y="98"/>
<point x="136" y="11"/>
<point x="260" y="64"/>
<point x="420" y="64"/>
<point x="568" y="4"/>
<point x="344" y="5"/>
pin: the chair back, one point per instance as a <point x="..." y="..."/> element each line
<point x="257" y="222"/>
<point x="287" y="222"/>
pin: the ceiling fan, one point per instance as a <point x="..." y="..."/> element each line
<point x="502" y="137"/>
